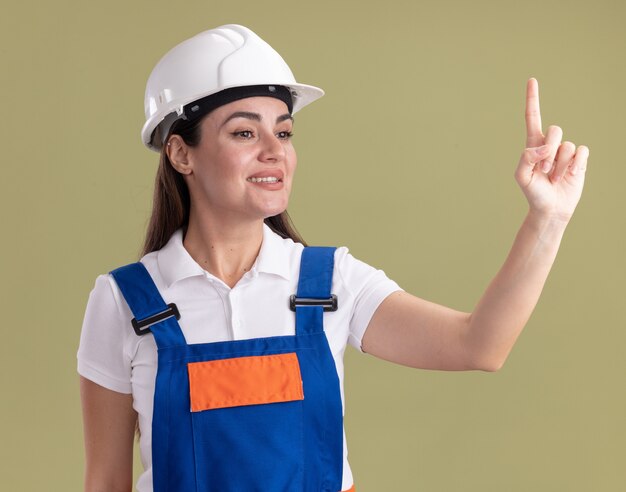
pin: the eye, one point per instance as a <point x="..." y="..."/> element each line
<point x="245" y="134"/>
<point x="285" y="135"/>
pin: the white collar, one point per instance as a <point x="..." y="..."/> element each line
<point x="175" y="262"/>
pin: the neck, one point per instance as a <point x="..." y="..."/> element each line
<point x="223" y="248"/>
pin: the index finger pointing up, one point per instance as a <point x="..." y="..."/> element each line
<point x="534" y="136"/>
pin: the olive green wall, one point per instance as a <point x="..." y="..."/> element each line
<point x="408" y="160"/>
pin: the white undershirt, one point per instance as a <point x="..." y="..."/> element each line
<point x="113" y="356"/>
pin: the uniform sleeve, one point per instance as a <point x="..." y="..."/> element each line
<point x="368" y="287"/>
<point x="101" y="355"/>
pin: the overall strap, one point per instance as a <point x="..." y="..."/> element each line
<point x="148" y="307"/>
<point x="314" y="284"/>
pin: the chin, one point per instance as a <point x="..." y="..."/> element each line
<point x="272" y="214"/>
<point x="274" y="208"/>
<point x="272" y="211"/>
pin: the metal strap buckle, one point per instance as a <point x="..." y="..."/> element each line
<point x="329" y="304"/>
<point x="142" y="326"/>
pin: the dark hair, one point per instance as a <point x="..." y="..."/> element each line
<point x="171" y="201"/>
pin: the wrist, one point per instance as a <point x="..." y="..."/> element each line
<point x="543" y="221"/>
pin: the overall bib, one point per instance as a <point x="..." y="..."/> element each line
<point x="255" y="415"/>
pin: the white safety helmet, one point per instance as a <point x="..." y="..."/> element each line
<point x="225" y="57"/>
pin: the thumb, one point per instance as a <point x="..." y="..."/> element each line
<point x="526" y="166"/>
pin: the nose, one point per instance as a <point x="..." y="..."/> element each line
<point x="272" y="148"/>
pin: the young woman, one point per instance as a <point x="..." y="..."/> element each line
<point x="225" y="341"/>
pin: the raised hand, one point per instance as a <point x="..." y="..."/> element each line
<point x="550" y="173"/>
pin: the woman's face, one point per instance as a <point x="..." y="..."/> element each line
<point x="244" y="164"/>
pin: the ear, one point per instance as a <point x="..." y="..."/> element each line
<point x="178" y="154"/>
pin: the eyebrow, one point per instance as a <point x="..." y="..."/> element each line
<point x="255" y="116"/>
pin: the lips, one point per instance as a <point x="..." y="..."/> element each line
<point x="275" y="176"/>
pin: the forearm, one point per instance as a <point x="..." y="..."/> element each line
<point x="510" y="298"/>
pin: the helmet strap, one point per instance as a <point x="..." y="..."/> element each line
<point x="201" y="107"/>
